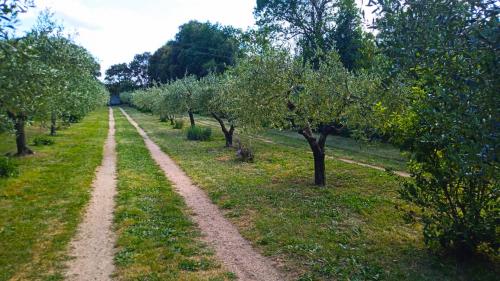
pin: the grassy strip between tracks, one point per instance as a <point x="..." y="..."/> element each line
<point x="156" y="238"/>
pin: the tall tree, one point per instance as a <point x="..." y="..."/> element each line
<point x="348" y="35"/>
<point x="317" y="27"/>
<point x="443" y="107"/>
<point x="309" y="22"/>
<point x="158" y="69"/>
<point x="198" y="49"/>
<point x="119" y="79"/>
<point x="139" y="70"/>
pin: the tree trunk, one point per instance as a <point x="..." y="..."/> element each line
<point x="22" y="148"/>
<point x="228" y="134"/>
<point x="319" y="167"/>
<point x="318" y="149"/>
<point x="229" y="137"/>
<point x="53" y="119"/>
<point x="191" y="118"/>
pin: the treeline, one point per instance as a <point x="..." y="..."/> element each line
<point x="44" y="75"/>
<point x="198" y="49"/>
<point x="428" y="80"/>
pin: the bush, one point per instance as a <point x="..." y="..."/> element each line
<point x="178" y="124"/>
<point x="7" y="167"/>
<point x="199" y="134"/>
<point x="244" y="153"/>
<point x="42" y="140"/>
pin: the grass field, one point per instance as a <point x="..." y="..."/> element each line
<point x="156" y="239"/>
<point x="374" y="153"/>
<point x="40" y="208"/>
<point x="352" y="229"/>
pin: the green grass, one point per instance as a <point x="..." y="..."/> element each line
<point x="156" y="239"/>
<point x="373" y="153"/>
<point x="40" y="208"/>
<point x="352" y="229"/>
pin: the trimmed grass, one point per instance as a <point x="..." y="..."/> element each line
<point x="352" y="229"/>
<point x="374" y="153"/>
<point x="41" y="208"/>
<point x="156" y="239"/>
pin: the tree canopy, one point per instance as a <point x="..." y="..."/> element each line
<point x="198" y="49"/>
<point x="317" y="27"/>
<point x="441" y="105"/>
<point x="44" y="74"/>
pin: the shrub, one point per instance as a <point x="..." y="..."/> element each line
<point x="42" y="140"/>
<point x="199" y="134"/>
<point x="244" y="153"/>
<point x="7" y="167"/>
<point x="178" y="124"/>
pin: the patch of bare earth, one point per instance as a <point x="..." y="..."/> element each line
<point x="92" y="247"/>
<point x="231" y="248"/>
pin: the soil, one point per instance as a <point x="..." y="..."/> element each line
<point x="93" y="245"/>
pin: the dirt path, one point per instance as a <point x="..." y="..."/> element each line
<point x="230" y="247"/>
<point x="93" y="245"/>
<point x="399" y="173"/>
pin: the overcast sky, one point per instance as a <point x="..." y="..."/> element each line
<point x="115" y="30"/>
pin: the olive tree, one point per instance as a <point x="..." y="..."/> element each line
<point x="214" y="100"/>
<point x="35" y="76"/>
<point x="183" y="95"/>
<point x="23" y="87"/>
<point x="281" y="91"/>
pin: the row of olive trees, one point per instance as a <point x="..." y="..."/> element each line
<point x="46" y="76"/>
<point x="208" y="96"/>
<point x="271" y="88"/>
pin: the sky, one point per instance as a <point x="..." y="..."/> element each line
<point x="115" y="30"/>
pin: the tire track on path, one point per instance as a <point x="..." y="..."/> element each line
<point x="230" y="247"/>
<point x="93" y="245"/>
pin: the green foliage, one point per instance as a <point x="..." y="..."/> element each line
<point x="198" y="49"/>
<point x="178" y="124"/>
<point x="126" y="98"/>
<point x="168" y="100"/>
<point x="318" y="27"/>
<point x="281" y="91"/>
<point x="9" y="12"/>
<point x="198" y="133"/>
<point x="442" y="106"/>
<point x="43" y="140"/>
<point x="118" y="79"/>
<point x="8" y="168"/>
<point x="46" y="74"/>
<point x="5" y="123"/>
<point x="125" y="77"/>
